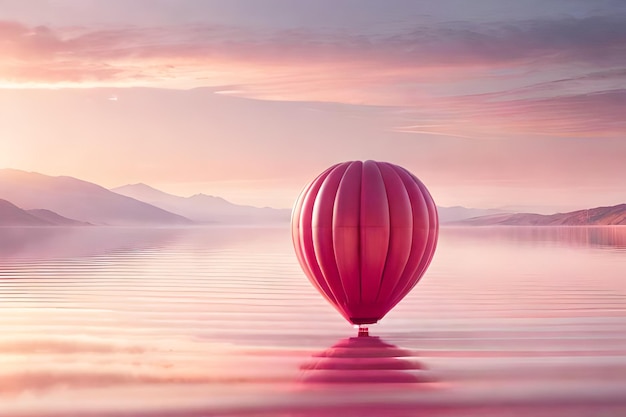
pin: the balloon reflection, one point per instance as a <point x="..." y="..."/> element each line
<point x="364" y="359"/>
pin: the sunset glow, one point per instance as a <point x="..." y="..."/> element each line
<point x="497" y="106"/>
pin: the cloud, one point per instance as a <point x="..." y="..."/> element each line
<point x="151" y="53"/>
<point x="592" y="115"/>
<point x="533" y="76"/>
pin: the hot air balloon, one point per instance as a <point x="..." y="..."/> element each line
<point x="364" y="233"/>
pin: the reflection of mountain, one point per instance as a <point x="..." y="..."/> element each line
<point x="364" y="359"/>
<point x="80" y="200"/>
<point x="11" y="215"/>
<point x="74" y="242"/>
<point x="607" y="237"/>
<point x="66" y="242"/>
<point x="614" y="215"/>
<point x="204" y="208"/>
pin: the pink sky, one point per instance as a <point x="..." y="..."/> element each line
<point x="501" y="105"/>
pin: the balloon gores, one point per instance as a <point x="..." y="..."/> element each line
<point x="364" y="234"/>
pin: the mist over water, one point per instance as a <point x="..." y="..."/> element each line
<point x="221" y="321"/>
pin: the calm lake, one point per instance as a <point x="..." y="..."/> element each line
<point x="220" y="321"/>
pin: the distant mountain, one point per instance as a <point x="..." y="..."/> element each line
<point x="204" y="208"/>
<point x="457" y="213"/>
<point x="11" y="215"/>
<point x="80" y="200"/>
<point x="614" y="215"/>
<point x="54" y="218"/>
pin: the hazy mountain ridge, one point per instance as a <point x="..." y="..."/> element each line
<point x="56" y="219"/>
<point x="599" y="216"/>
<point x="204" y="208"/>
<point x="81" y="200"/>
<point x="12" y="215"/>
<point x="34" y="199"/>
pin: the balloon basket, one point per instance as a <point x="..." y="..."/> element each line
<point x="363" y="331"/>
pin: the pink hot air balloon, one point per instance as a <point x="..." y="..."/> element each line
<point x="364" y="234"/>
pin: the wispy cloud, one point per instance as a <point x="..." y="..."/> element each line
<point x="552" y="77"/>
<point x="115" y="54"/>
<point x="592" y="115"/>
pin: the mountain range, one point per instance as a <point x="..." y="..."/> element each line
<point x="202" y="208"/>
<point x="80" y="200"/>
<point x="613" y="215"/>
<point x="11" y="215"/>
<point x="33" y="199"/>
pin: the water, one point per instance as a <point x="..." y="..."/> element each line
<point x="221" y="321"/>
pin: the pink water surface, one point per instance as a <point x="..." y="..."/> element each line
<point x="221" y="321"/>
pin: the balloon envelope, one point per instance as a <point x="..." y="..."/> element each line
<point x="364" y="234"/>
